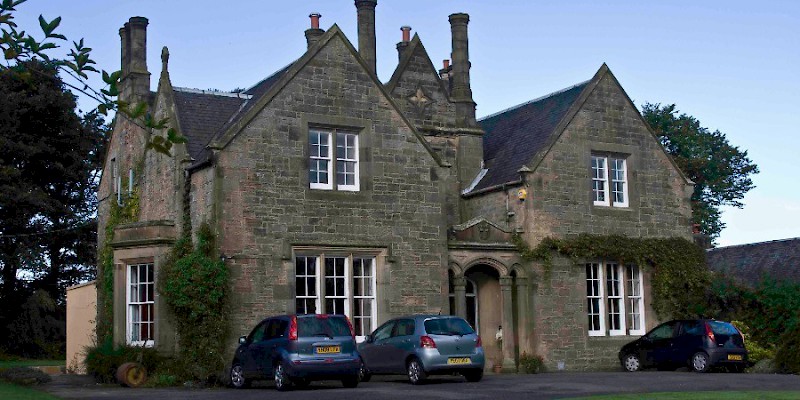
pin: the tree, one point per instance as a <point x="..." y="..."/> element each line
<point x="49" y="164"/>
<point x="720" y="171"/>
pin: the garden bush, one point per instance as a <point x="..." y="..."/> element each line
<point x="103" y="360"/>
<point x="531" y="364"/>
<point x="787" y="357"/>
<point x="755" y="350"/>
<point x="24" y="376"/>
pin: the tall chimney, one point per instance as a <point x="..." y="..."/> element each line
<point x="314" y="33"/>
<point x="401" y="47"/>
<point x="461" y="92"/>
<point x="135" y="79"/>
<point x="366" y="31"/>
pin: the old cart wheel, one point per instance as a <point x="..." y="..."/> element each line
<point x="131" y="374"/>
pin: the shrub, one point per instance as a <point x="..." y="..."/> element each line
<point x="787" y="357"/>
<point x="24" y="376"/>
<point x="103" y="360"/>
<point x="755" y="350"/>
<point x="531" y="364"/>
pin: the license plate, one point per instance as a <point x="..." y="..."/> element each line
<point x="458" y="360"/>
<point x="735" y="357"/>
<point x="329" y="349"/>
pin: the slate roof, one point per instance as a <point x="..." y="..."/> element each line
<point x="515" y="135"/>
<point x="749" y="263"/>
<point x="201" y="115"/>
<point x="205" y="115"/>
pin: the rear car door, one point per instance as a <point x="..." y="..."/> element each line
<point x="249" y="354"/>
<point x="275" y="337"/>
<point x="688" y="341"/>
<point x="373" y="352"/>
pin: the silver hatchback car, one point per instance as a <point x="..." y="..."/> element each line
<point x="423" y="345"/>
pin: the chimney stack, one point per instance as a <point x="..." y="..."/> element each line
<point x="401" y="47"/>
<point x="314" y="33"/>
<point x="461" y="92"/>
<point x="445" y="74"/>
<point x="366" y="31"/>
<point x="135" y="79"/>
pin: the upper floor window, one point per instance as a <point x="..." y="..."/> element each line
<point x="609" y="181"/>
<point x="322" y="165"/>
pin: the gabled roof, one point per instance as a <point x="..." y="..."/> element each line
<point x="515" y="135"/>
<point x="748" y="264"/>
<point x="201" y="114"/>
<point x="408" y="54"/>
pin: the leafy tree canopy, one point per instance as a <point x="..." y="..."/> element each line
<point x="720" y="171"/>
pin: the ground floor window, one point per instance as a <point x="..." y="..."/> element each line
<point x="141" y="305"/>
<point x="338" y="284"/>
<point x="615" y="304"/>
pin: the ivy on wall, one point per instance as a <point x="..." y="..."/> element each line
<point x="680" y="276"/>
<point x="194" y="283"/>
<point x="126" y="212"/>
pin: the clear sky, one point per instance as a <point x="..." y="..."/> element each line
<point x="734" y="65"/>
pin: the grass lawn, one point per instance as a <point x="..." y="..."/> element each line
<point x="30" y="363"/>
<point x="754" y="395"/>
<point x="9" y="391"/>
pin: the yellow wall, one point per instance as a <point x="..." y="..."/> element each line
<point x="81" y="315"/>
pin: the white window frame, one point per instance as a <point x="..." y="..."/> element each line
<point x="351" y="160"/>
<point x="623" y="294"/>
<point x="608" y="180"/>
<point x="315" y="282"/>
<point x="349" y="296"/>
<point x="133" y="288"/>
<point x="635" y="295"/>
<point x="597" y="275"/>
<point x="615" y="295"/>
<point x="321" y="157"/>
<point x="371" y="280"/>
<point x="351" y="157"/>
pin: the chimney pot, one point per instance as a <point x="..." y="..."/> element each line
<point x="315" y="20"/>
<point x="406" y="33"/>
<point x="446" y="64"/>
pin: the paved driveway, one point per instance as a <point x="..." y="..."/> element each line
<point x="495" y="387"/>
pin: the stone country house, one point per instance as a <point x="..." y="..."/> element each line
<point x="330" y="191"/>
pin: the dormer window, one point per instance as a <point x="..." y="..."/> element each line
<point x="609" y="181"/>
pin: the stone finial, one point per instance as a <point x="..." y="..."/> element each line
<point x="164" y="58"/>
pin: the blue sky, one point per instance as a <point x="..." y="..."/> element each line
<point x="734" y="65"/>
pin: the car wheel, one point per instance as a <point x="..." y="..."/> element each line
<point x="474" y="376"/>
<point x="282" y="382"/>
<point x="416" y="374"/>
<point x="363" y="373"/>
<point x="700" y="362"/>
<point x="631" y="363"/>
<point x="350" y="382"/>
<point x="238" y="380"/>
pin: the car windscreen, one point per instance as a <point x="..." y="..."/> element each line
<point x="722" y="328"/>
<point x="448" y="326"/>
<point x="314" y="325"/>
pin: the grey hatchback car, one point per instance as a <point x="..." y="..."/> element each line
<point x="423" y="345"/>
<point x="293" y="350"/>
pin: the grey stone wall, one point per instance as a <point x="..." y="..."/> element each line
<point x="267" y="207"/>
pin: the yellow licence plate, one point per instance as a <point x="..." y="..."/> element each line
<point x="458" y="360"/>
<point x="734" y="357"/>
<point x="329" y="349"/>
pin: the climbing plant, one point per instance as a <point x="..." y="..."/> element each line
<point x="680" y="277"/>
<point x="194" y="283"/>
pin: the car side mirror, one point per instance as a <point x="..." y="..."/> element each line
<point x="242" y="339"/>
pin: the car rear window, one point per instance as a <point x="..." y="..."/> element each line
<point x="322" y="326"/>
<point x="448" y="326"/>
<point x="722" y="328"/>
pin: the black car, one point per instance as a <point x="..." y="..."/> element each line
<point x="699" y="344"/>
<point x="297" y="349"/>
